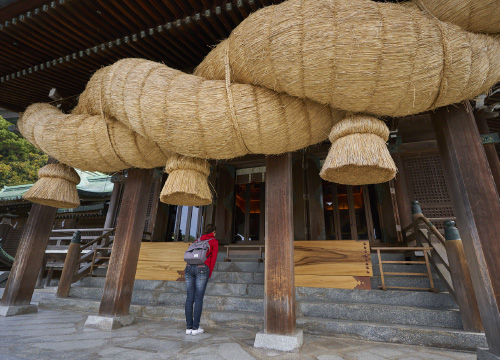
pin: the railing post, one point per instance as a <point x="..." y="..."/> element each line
<point x="70" y="265"/>
<point x="416" y="213"/>
<point x="462" y="282"/>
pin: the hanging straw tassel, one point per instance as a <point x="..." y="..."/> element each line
<point x="56" y="187"/>
<point x="359" y="154"/>
<point x="187" y="182"/>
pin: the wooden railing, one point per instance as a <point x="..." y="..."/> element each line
<point x="447" y="256"/>
<point x="427" y="274"/>
<point x="80" y="259"/>
<point x="425" y="234"/>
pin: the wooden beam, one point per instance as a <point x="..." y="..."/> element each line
<point x="279" y="289"/>
<point x="477" y="207"/>
<point x="29" y="257"/>
<point x="127" y="243"/>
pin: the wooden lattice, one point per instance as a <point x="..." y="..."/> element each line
<point x="426" y="183"/>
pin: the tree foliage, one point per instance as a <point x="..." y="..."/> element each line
<point x="19" y="160"/>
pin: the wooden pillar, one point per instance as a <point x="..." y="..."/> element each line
<point x="462" y="282"/>
<point x="70" y="266"/>
<point x="224" y="203"/>
<point x="402" y="198"/>
<point x="127" y="243"/>
<point x="113" y="205"/>
<point x="477" y="207"/>
<point x="489" y="149"/>
<point x="315" y="196"/>
<point x="279" y="294"/>
<point x="29" y="257"/>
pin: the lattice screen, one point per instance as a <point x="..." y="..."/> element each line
<point x="426" y="184"/>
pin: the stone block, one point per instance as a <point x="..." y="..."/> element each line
<point x="109" y="322"/>
<point x="18" y="310"/>
<point x="485" y="354"/>
<point x="279" y="342"/>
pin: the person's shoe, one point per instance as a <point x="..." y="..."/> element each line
<point x="197" y="331"/>
<point x="188" y="331"/>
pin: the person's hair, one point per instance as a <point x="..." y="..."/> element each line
<point x="209" y="228"/>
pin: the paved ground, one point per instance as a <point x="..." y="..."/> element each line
<point x="55" y="335"/>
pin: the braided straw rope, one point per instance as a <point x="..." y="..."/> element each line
<point x="273" y="87"/>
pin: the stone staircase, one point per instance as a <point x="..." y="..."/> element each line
<point x="234" y="298"/>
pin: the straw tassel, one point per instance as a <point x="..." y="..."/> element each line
<point x="359" y="154"/>
<point x="56" y="187"/>
<point x="187" y="182"/>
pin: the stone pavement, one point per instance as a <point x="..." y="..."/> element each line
<point x="56" y="335"/>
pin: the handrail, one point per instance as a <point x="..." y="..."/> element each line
<point x="82" y="230"/>
<point x="106" y="234"/>
<point x="430" y="226"/>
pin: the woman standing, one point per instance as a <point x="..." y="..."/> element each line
<point x="196" y="282"/>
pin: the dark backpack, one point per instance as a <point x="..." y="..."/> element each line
<point x="198" y="252"/>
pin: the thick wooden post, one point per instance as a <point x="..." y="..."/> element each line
<point x="70" y="266"/>
<point x="462" y="282"/>
<point x="279" y="295"/>
<point x="127" y="243"/>
<point x="489" y="149"/>
<point x="477" y="207"/>
<point x="113" y="206"/>
<point x="29" y="257"/>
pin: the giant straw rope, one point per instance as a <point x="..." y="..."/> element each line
<point x="275" y="86"/>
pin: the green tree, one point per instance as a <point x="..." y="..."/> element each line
<point x="19" y="160"/>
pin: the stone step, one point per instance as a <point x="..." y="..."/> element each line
<point x="238" y="277"/>
<point x="405" y="334"/>
<point x="408" y="281"/>
<point x="413" y="268"/>
<point x="210" y="317"/>
<point x="423" y="299"/>
<point x="157" y="297"/>
<point x="240" y="266"/>
<point x="387" y="256"/>
<point x="386" y="314"/>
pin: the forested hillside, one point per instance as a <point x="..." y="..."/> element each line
<point x="19" y="160"/>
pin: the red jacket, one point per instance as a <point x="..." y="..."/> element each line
<point x="214" y="250"/>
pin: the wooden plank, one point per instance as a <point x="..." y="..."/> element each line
<point x="28" y="261"/>
<point x="342" y="257"/>
<point x="119" y="282"/>
<point x="477" y="206"/>
<point x="162" y="261"/>
<point x="333" y="282"/>
<point x="279" y="287"/>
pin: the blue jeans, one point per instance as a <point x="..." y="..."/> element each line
<point x="196" y="283"/>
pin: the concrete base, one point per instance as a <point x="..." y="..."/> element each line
<point x="108" y="322"/>
<point x="18" y="310"/>
<point x="279" y="342"/>
<point x="485" y="354"/>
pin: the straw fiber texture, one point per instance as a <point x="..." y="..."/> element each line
<point x="273" y="87"/>
<point x="359" y="56"/>
<point x="55" y="187"/>
<point x="359" y="152"/>
<point x="481" y="16"/>
<point x="187" y="182"/>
